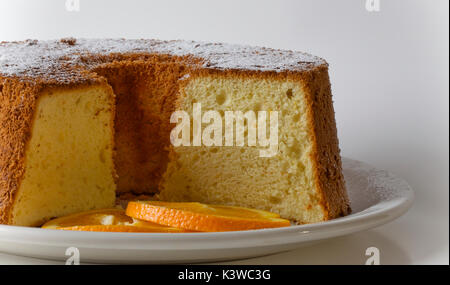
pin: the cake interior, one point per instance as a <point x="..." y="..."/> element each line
<point x="232" y="175"/>
<point x="69" y="158"/>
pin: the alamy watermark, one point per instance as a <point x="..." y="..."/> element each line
<point x="216" y="134"/>
<point x="73" y="254"/>
<point x="73" y="5"/>
<point x="374" y="256"/>
<point x="373" y="5"/>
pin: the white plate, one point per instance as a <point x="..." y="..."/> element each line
<point x="376" y="196"/>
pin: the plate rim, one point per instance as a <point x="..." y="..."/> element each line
<point x="368" y="218"/>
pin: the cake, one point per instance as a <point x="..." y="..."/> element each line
<point x="85" y="121"/>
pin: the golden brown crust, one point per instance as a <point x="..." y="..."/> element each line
<point x="326" y="152"/>
<point x="146" y="81"/>
<point x="17" y="103"/>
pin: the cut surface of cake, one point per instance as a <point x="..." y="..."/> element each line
<point x="67" y="164"/>
<point x="84" y="120"/>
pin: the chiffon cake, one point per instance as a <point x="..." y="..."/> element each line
<point x="85" y="121"/>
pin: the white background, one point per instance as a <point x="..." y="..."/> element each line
<point x="389" y="73"/>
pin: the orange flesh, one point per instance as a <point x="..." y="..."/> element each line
<point x="202" y="217"/>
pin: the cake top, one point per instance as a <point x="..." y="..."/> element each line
<point x="56" y="59"/>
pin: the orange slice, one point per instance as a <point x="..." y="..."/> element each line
<point x="106" y="220"/>
<point x="204" y="218"/>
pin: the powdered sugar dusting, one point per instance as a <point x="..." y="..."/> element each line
<point x="228" y="56"/>
<point x="57" y="58"/>
<point x="368" y="186"/>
